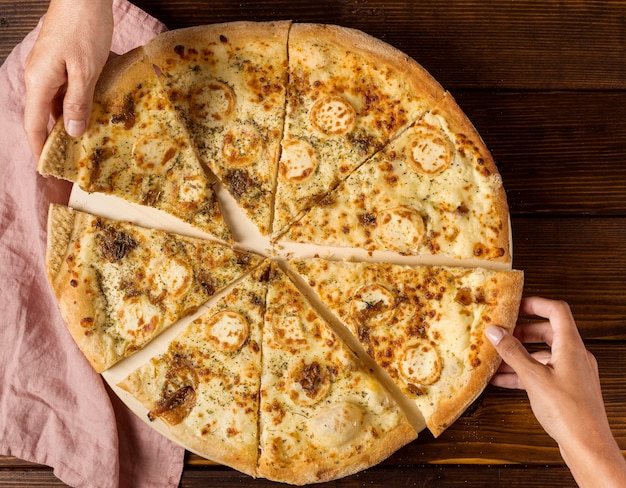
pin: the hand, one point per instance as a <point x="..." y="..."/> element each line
<point x="63" y="66"/>
<point x="563" y="387"/>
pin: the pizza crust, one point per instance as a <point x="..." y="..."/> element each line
<point x="505" y="315"/>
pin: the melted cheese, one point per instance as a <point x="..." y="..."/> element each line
<point x="222" y="422"/>
<point x="430" y="338"/>
<point x="428" y="200"/>
<point x="319" y="404"/>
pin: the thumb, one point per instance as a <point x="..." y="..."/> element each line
<point x="77" y="104"/>
<point x="511" y="350"/>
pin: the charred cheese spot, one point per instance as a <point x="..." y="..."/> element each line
<point x="186" y="191"/>
<point x="137" y="316"/>
<point x="337" y="424"/>
<point x="153" y="153"/>
<point x="332" y="115"/>
<point x="289" y="330"/>
<point x="420" y="364"/>
<point x="298" y="161"/>
<point x="427" y="152"/>
<point x="399" y="229"/>
<point x="170" y="275"/>
<point x="309" y="383"/>
<point x="211" y="102"/>
<point x="372" y="305"/>
<point x="243" y="145"/>
<point x="227" y="330"/>
<point x="464" y="297"/>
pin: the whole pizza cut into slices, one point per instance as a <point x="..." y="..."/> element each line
<point x="423" y="325"/>
<point x="435" y="190"/>
<point x="205" y="387"/>
<point x="134" y="148"/>
<point x="119" y="285"/>
<point x="227" y="83"/>
<point x="296" y="369"/>
<point x="349" y="94"/>
<point x="323" y="414"/>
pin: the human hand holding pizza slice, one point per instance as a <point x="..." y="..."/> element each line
<point x="564" y="390"/>
<point x="62" y="68"/>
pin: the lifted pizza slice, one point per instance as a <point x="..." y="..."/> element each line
<point x="323" y="413"/>
<point x="135" y="148"/>
<point x="435" y="190"/>
<point x="119" y="285"/>
<point x="227" y="83"/>
<point x="423" y="325"/>
<point x="348" y="95"/>
<point x="205" y="387"/>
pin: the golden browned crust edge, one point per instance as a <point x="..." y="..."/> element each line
<point x="381" y="52"/>
<point x="63" y="224"/>
<point x="60" y="228"/>
<point x="319" y="472"/>
<point x="240" y="459"/>
<point x="161" y="47"/>
<point x="459" y="123"/>
<point x="510" y="285"/>
<point x="60" y="154"/>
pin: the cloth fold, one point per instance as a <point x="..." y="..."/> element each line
<point x="54" y="409"/>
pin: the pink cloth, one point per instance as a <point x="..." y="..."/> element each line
<point x="54" y="409"/>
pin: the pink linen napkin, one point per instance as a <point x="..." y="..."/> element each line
<point x="54" y="409"/>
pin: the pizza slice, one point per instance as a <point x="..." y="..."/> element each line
<point x="119" y="285"/>
<point x="134" y="148"/>
<point x="205" y="387"/>
<point x="437" y="192"/>
<point x="423" y="325"/>
<point x="348" y="94"/>
<point x="227" y="83"/>
<point x="323" y="415"/>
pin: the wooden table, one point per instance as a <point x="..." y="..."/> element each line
<point x="545" y="84"/>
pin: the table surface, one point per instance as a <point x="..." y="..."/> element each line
<point x="545" y="85"/>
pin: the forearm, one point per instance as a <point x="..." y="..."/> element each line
<point x="596" y="461"/>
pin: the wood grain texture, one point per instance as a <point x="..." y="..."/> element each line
<point x="545" y="85"/>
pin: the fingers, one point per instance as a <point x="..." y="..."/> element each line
<point x="519" y="361"/>
<point x="41" y="89"/>
<point x="557" y="312"/>
<point x="534" y="332"/>
<point x="542" y="357"/>
<point x="78" y="101"/>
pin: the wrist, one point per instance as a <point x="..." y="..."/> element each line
<point x="596" y="461"/>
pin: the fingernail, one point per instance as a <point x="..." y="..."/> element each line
<point x="494" y="334"/>
<point x="75" y="128"/>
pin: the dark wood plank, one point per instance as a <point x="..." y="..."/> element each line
<point x="524" y="44"/>
<point x="16" y="20"/>
<point x="408" y="475"/>
<point x="582" y="261"/>
<point x="468" y="44"/>
<point x="558" y="152"/>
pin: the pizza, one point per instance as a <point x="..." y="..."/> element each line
<point x="119" y="285"/>
<point x="423" y="325"/>
<point x="354" y="242"/>
<point x="434" y="190"/>
<point x="205" y="386"/>
<point x="260" y="382"/>
<point x="348" y="96"/>
<point x="135" y="149"/>
<point x="323" y="414"/>
<point x="228" y="89"/>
